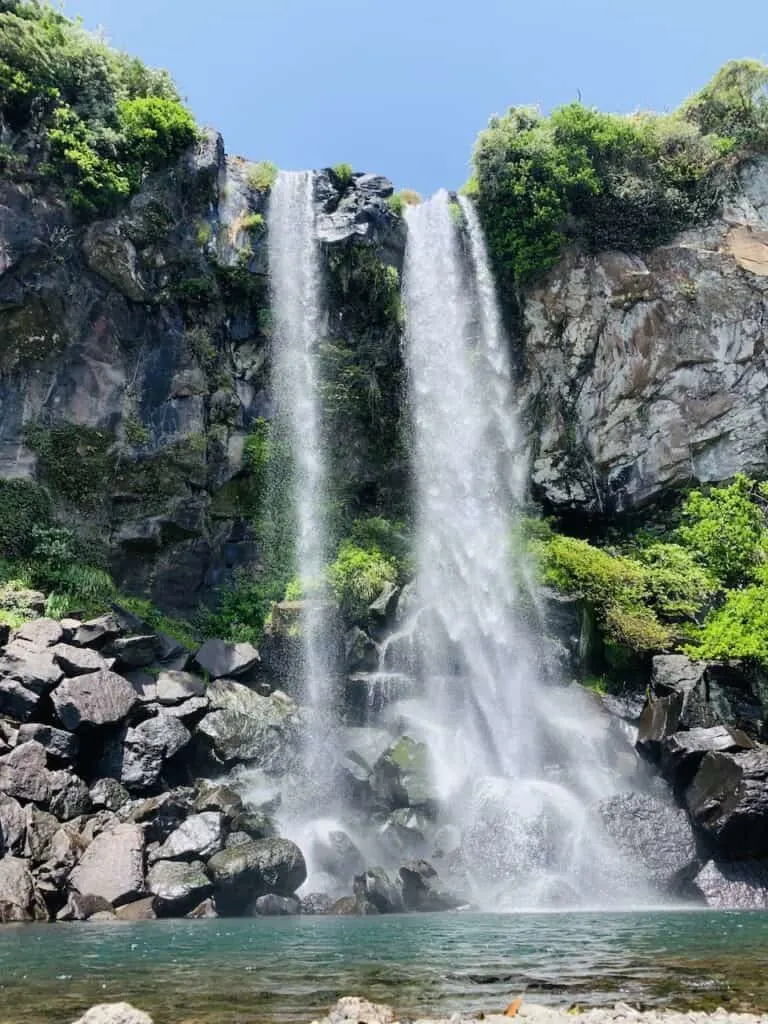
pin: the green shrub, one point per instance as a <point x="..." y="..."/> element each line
<point x="637" y="628"/>
<point x="343" y="174"/>
<point x="678" y="586"/>
<point x="405" y="197"/>
<point x="739" y="629"/>
<point x="602" y="579"/>
<point x="179" y="629"/>
<point x="253" y="222"/>
<point x="24" y="506"/>
<point x="261" y="176"/>
<point x="734" y="104"/>
<point x="358" y="575"/>
<point x="154" y="130"/>
<point x="725" y="530"/>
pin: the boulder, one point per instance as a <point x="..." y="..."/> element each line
<point x="682" y="753"/>
<point x="113" y="866"/>
<point x="382" y="609"/>
<point x="728" y="803"/>
<point x="272" y="905"/>
<point x="734" y="885"/>
<point x="655" y="837"/>
<point x="19" y="900"/>
<point x="237" y="839"/>
<point x="58" y="744"/>
<point x="219" y="658"/>
<point x="178" y="886"/>
<point x="400" y="777"/>
<point x="176" y="687"/>
<point x="349" y="1010"/>
<point x="97" y="632"/>
<point x="97" y="698"/>
<point x="108" y="794"/>
<point x="337" y="855"/>
<point x="203" y="911"/>
<point x="25" y="675"/>
<point x="197" y="838"/>
<point x="23" y="773"/>
<point x="244" y="726"/>
<point x="133" y="651"/>
<point x="138" y="910"/>
<point x="186" y="710"/>
<point x="114" y="1013"/>
<point x="41" y="827"/>
<point x="78" y="661"/>
<point x="40" y="633"/>
<point x="255" y="824"/>
<point x="361" y="653"/>
<point x="13" y="826"/>
<point x="243" y="873"/>
<point x="215" y="797"/>
<point x="136" y="757"/>
<point x="66" y="848"/>
<point x="160" y="814"/>
<point x="80" y="907"/>
<point x="374" y="886"/>
<point x="422" y="889"/>
<point x="69" y="796"/>
<point x="316" y="903"/>
<point x="404" y="831"/>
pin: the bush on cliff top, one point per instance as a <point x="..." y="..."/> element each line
<point x="606" y="180"/>
<point x="105" y="120"/>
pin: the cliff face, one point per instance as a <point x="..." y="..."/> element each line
<point x="134" y="362"/>
<point x="645" y="374"/>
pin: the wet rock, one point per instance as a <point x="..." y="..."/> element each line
<point x="13" y="826"/>
<point x="176" y="687"/>
<point x="405" y="830"/>
<point x="113" y="866"/>
<point x="80" y="907"/>
<point x="58" y="744"/>
<point x="237" y="839"/>
<point x="98" y="698"/>
<point x="197" y="838"/>
<point x="244" y="726"/>
<point x="383" y="608"/>
<point x="23" y="773"/>
<point x="18" y="899"/>
<point x="728" y="802"/>
<point x="316" y="903"/>
<point x="218" y="658"/>
<point x="734" y="885"/>
<point x="97" y="632"/>
<point x="422" y="889"/>
<point x="255" y="824"/>
<point x="656" y="836"/>
<point x="272" y="905"/>
<point x="69" y="796"/>
<point x="347" y="906"/>
<point x="78" y="661"/>
<point x="114" y="1013"/>
<point x="160" y="814"/>
<point x="337" y="855"/>
<point x="361" y="653"/>
<point x="178" y="886"/>
<point x="374" y="886"/>
<point x="682" y="753"/>
<point x="243" y="873"/>
<point x="137" y="756"/>
<point x="185" y="711"/>
<point x="400" y="777"/>
<point x="108" y="794"/>
<point x="203" y="911"/>
<point x="138" y="910"/>
<point x="40" y="632"/>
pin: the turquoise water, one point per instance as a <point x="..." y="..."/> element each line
<point x="291" y="969"/>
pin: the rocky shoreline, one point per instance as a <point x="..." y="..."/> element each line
<point x="354" y="1010"/>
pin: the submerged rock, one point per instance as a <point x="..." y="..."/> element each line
<point x="272" y="905"/>
<point x="178" y="886"/>
<point x="114" y="1013"/>
<point x="243" y="873"/>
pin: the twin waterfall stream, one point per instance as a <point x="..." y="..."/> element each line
<point x="518" y="761"/>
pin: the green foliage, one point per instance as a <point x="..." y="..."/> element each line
<point x="76" y="462"/>
<point x="678" y="586"/>
<point x="24" y="505"/>
<point x="739" y="629"/>
<point x="253" y="222"/>
<point x="261" y="176"/>
<point x="405" y="197"/>
<point x="179" y="629"/>
<point x="358" y="575"/>
<point x="734" y="104"/>
<point x="725" y="529"/>
<point x="343" y="174"/>
<point x="103" y="118"/>
<point x="609" y="181"/>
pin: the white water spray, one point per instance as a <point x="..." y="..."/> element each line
<point x="521" y="762"/>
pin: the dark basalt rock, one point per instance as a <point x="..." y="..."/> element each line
<point x="98" y="698"/>
<point x="97" y="632"/>
<point x="728" y="803"/>
<point x="734" y="885"/>
<point x="112" y="866"/>
<point x="196" y="838"/>
<point x="400" y="777"/>
<point x="337" y="855"/>
<point x="13" y="826"/>
<point x="58" y="744"/>
<point x="423" y="890"/>
<point x="243" y="873"/>
<point x="374" y="886"/>
<point x="41" y="632"/>
<point x="178" y="887"/>
<point x="219" y="658"/>
<point x="272" y="905"/>
<point x="23" y="773"/>
<point x="682" y="753"/>
<point x="656" y="836"/>
<point x="26" y="673"/>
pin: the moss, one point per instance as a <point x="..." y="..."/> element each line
<point x="261" y="175"/>
<point x="75" y="462"/>
<point x="23" y="505"/>
<point x="136" y="433"/>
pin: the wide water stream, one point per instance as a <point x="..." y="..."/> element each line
<point x="241" y="971"/>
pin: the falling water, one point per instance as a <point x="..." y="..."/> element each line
<point x="295" y="277"/>
<point x="520" y="760"/>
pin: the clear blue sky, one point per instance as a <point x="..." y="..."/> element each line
<point x="402" y="87"/>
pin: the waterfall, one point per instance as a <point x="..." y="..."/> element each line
<point x="521" y="761"/>
<point x="297" y="308"/>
